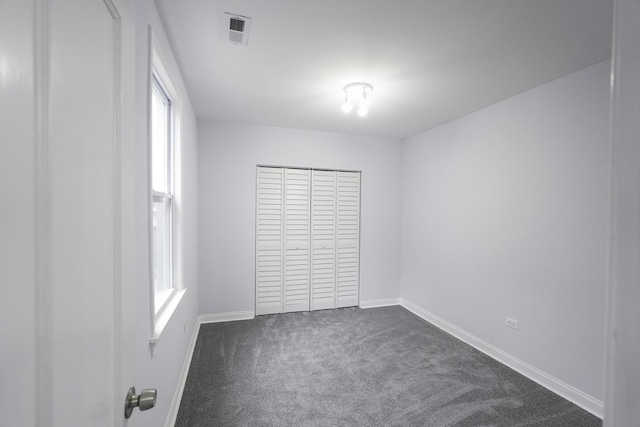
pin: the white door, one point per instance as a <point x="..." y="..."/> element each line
<point x="269" y="229"/>
<point x="348" y="239"/>
<point x="67" y="336"/>
<point x="282" y="240"/>
<point x="296" y="239"/>
<point x="323" y="238"/>
<point x="307" y="240"/>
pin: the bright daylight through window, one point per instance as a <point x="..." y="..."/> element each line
<point x="162" y="193"/>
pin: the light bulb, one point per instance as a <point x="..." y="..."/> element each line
<point x="357" y="96"/>
<point x="363" y="105"/>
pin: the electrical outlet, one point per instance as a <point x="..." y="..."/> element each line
<point x="511" y="323"/>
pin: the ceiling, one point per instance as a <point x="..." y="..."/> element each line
<point x="429" y="61"/>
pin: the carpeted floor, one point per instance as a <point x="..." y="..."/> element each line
<point x="354" y="367"/>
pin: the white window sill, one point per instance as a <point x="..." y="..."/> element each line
<point x="161" y="321"/>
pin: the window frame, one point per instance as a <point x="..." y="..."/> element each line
<point x="162" y="311"/>
<point x="161" y="303"/>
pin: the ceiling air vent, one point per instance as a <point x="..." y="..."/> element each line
<point x="238" y="28"/>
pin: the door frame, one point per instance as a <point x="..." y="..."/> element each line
<point x="622" y="371"/>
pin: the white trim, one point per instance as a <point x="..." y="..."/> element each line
<point x="160" y="317"/>
<point x="152" y="299"/>
<point x="622" y="379"/>
<point x="261" y="165"/>
<point x="163" y="319"/>
<point x="227" y="317"/>
<point x="43" y="286"/>
<point x="121" y="374"/>
<point x="557" y="386"/>
<point x="182" y="379"/>
<point x="372" y="303"/>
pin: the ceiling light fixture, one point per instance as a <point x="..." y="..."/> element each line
<point x="357" y="94"/>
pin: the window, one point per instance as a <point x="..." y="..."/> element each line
<point x="162" y="193"/>
<point x="164" y="150"/>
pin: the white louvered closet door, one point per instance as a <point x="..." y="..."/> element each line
<point x="348" y="238"/>
<point x="269" y="244"/>
<point x="307" y="240"/>
<point x="296" y="238"/>
<point x="323" y="238"/>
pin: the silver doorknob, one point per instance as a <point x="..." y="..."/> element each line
<point x="145" y="400"/>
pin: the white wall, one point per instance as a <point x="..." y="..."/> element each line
<point x="504" y="213"/>
<point x="228" y="155"/>
<point x="162" y="370"/>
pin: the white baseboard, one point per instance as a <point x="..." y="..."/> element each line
<point x="372" y="303"/>
<point x="227" y="317"/>
<point x="557" y="386"/>
<point x="177" y="395"/>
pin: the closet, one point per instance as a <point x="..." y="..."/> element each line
<point x="307" y="239"/>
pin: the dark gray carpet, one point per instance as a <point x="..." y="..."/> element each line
<point x="353" y="367"/>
